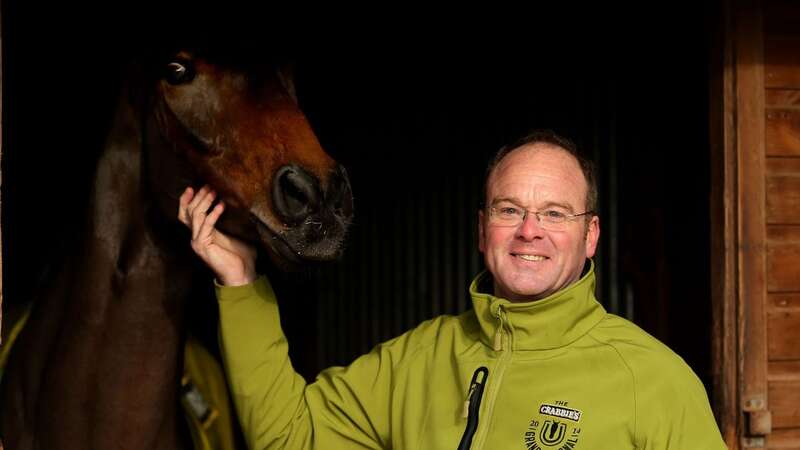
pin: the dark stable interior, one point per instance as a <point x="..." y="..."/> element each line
<point x="413" y="111"/>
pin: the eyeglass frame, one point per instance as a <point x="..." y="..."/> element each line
<point x="539" y="219"/>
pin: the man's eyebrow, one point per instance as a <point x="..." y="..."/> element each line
<point x="513" y="200"/>
<point x="551" y="204"/>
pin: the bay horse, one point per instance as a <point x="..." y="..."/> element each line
<point x="99" y="363"/>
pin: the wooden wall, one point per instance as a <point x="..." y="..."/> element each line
<point x="757" y="226"/>
<point x="782" y="211"/>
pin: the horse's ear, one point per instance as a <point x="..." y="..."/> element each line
<point x="286" y="74"/>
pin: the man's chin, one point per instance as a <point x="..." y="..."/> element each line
<point x="521" y="293"/>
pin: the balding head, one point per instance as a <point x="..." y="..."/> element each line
<point x="545" y="139"/>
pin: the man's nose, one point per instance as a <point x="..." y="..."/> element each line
<point x="530" y="228"/>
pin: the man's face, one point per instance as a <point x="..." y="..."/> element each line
<point x="527" y="261"/>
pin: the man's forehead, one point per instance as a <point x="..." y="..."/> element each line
<point x="536" y="174"/>
<point x="547" y="158"/>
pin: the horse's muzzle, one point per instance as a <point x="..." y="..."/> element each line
<point x="299" y="198"/>
<point x="316" y="215"/>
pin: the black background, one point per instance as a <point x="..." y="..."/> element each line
<point x="412" y="103"/>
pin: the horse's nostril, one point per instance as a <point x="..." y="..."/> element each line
<point x="295" y="193"/>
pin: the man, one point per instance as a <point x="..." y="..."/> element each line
<point x="536" y="364"/>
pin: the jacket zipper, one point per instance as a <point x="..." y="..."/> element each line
<point x="473" y="405"/>
<point x="503" y="344"/>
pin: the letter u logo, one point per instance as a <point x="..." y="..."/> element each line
<point x="553" y="433"/>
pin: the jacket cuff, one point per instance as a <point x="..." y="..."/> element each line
<point x="260" y="287"/>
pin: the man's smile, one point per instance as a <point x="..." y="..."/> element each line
<point x="529" y="257"/>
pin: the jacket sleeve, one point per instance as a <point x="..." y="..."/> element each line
<point x="343" y="408"/>
<point x="672" y="410"/>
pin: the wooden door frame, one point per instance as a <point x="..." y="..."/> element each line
<point x="738" y="225"/>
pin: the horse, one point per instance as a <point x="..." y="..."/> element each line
<point x="99" y="362"/>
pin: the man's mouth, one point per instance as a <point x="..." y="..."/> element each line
<point x="530" y="257"/>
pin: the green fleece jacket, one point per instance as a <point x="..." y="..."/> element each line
<point x="558" y="373"/>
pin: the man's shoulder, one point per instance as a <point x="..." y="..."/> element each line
<point x="435" y="330"/>
<point x="440" y="331"/>
<point x="642" y="353"/>
<point x="672" y="403"/>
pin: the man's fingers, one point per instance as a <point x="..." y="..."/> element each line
<point x="183" y="203"/>
<point x="199" y="214"/>
<point x="211" y="219"/>
<point x="198" y="197"/>
<point x="193" y="211"/>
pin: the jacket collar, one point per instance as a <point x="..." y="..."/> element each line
<point x="548" y="323"/>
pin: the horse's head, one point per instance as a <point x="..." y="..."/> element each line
<point x="239" y="129"/>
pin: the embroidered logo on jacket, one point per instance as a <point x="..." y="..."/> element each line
<point x="558" y="411"/>
<point x="555" y="427"/>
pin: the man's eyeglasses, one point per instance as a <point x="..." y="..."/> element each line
<point x="513" y="216"/>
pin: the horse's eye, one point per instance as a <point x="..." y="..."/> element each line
<point x="179" y="72"/>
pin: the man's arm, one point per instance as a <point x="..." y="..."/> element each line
<point x="673" y="412"/>
<point x="345" y="408"/>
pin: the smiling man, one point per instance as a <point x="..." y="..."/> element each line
<point x="534" y="240"/>
<point x="537" y="363"/>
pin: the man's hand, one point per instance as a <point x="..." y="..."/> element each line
<point x="232" y="260"/>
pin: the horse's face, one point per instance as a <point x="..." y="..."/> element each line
<point x="241" y="131"/>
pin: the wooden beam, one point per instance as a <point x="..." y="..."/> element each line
<point x="751" y="217"/>
<point x="784" y="370"/>
<point x="783" y="98"/>
<point x="783" y="258"/>
<point x="723" y="209"/>
<point x="783" y="332"/>
<point x="784" y="439"/>
<point x="783" y="192"/>
<point x="782" y="63"/>
<point x="783" y="130"/>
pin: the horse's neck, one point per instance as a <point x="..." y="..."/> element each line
<point x="114" y="363"/>
<point x="129" y="302"/>
<point x="133" y="277"/>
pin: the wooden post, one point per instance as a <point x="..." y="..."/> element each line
<point x="751" y="230"/>
<point x="755" y="213"/>
<point x="739" y="238"/>
<point x="723" y="225"/>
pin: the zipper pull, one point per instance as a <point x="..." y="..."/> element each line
<point x="498" y="340"/>
<point x="465" y="412"/>
<point x="473" y="406"/>
<point x="477" y="382"/>
<point x="472" y="386"/>
<point x="498" y="333"/>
